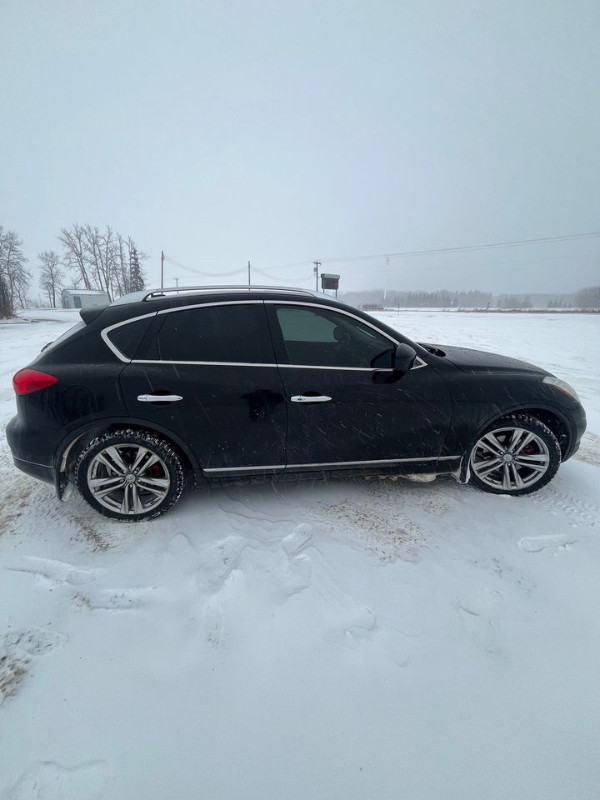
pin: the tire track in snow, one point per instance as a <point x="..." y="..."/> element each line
<point x="577" y="511"/>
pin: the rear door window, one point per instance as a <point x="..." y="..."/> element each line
<point x="225" y="334"/>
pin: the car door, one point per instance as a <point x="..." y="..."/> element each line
<point x="207" y="374"/>
<point x="342" y="409"/>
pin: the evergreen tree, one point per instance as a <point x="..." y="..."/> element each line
<point x="137" y="280"/>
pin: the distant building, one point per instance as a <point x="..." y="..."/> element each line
<point x="84" y="298"/>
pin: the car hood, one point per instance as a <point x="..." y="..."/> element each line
<point x="478" y="361"/>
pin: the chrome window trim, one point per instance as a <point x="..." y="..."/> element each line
<point x="419" y="363"/>
<point x="325" y="464"/>
<point x="347" y="314"/>
<point x="248" y="364"/>
<point x="202" y="363"/>
<point x="105" y="331"/>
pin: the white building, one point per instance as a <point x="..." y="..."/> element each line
<point x="84" y="298"/>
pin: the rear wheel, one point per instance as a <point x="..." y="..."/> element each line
<point x="130" y="475"/>
<point x="515" y="456"/>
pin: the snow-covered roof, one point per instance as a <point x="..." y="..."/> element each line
<point x="84" y="291"/>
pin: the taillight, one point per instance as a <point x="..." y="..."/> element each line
<point x="27" y="381"/>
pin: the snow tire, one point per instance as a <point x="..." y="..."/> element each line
<point x="515" y="455"/>
<point x="132" y="494"/>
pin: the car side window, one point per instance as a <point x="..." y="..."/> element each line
<point x="222" y="334"/>
<point x="324" y="338"/>
<point x="126" y="338"/>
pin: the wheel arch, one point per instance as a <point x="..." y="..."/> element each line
<point x="72" y="444"/>
<point x="549" y="417"/>
<point x="553" y="420"/>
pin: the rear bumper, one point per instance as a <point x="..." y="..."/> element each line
<point x="40" y="471"/>
<point x="33" y="450"/>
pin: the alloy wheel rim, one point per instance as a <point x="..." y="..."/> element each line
<point x="510" y="458"/>
<point x="128" y="478"/>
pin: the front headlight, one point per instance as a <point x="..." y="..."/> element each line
<point x="562" y="386"/>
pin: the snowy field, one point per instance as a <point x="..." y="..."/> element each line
<point x="344" y="641"/>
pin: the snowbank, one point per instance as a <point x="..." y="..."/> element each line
<point x="345" y="640"/>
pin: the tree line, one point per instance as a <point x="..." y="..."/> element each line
<point x="439" y="299"/>
<point x="588" y="297"/>
<point x="94" y="258"/>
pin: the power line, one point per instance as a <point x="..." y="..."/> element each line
<point x="402" y="254"/>
<point x="442" y="250"/>
<point x="201" y="272"/>
<point x="302" y="278"/>
<point x="232" y="272"/>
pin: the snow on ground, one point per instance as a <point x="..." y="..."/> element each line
<point x="566" y="345"/>
<point x="354" y="640"/>
<point x="50" y="315"/>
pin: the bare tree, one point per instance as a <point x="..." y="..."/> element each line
<point x="100" y="248"/>
<point x="74" y="257"/>
<point x="15" y="277"/>
<point x="51" y="275"/>
<point x="6" y="307"/>
<point x="102" y="259"/>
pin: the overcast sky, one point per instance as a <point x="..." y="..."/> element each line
<point x="282" y="131"/>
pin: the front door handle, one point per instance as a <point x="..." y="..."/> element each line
<point x="159" y="398"/>
<point x="310" y="398"/>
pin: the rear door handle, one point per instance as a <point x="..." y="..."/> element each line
<point x="159" y="398"/>
<point x="310" y="398"/>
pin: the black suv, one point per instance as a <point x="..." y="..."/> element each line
<point x="230" y="382"/>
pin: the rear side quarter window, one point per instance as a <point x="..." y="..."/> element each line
<point x="124" y="339"/>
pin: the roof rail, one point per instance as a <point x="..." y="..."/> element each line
<point x="156" y="293"/>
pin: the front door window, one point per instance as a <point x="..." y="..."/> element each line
<point x="322" y="338"/>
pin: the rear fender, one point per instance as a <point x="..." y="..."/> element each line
<point x="71" y="446"/>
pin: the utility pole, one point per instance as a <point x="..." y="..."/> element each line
<point x="387" y="273"/>
<point x="177" y="283"/>
<point x="316" y="271"/>
<point x="248" y="273"/>
<point x="162" y="269"/>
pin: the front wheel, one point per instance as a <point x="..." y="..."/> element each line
<point x="515" y="456"/>
<point x="130" y="475"/>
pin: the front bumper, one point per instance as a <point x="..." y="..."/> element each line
<point x="577" y="426"/>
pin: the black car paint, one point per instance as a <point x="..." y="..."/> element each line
<point x="241" y="417"/>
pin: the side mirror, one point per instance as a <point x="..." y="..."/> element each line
<point x="404" y="358"/>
